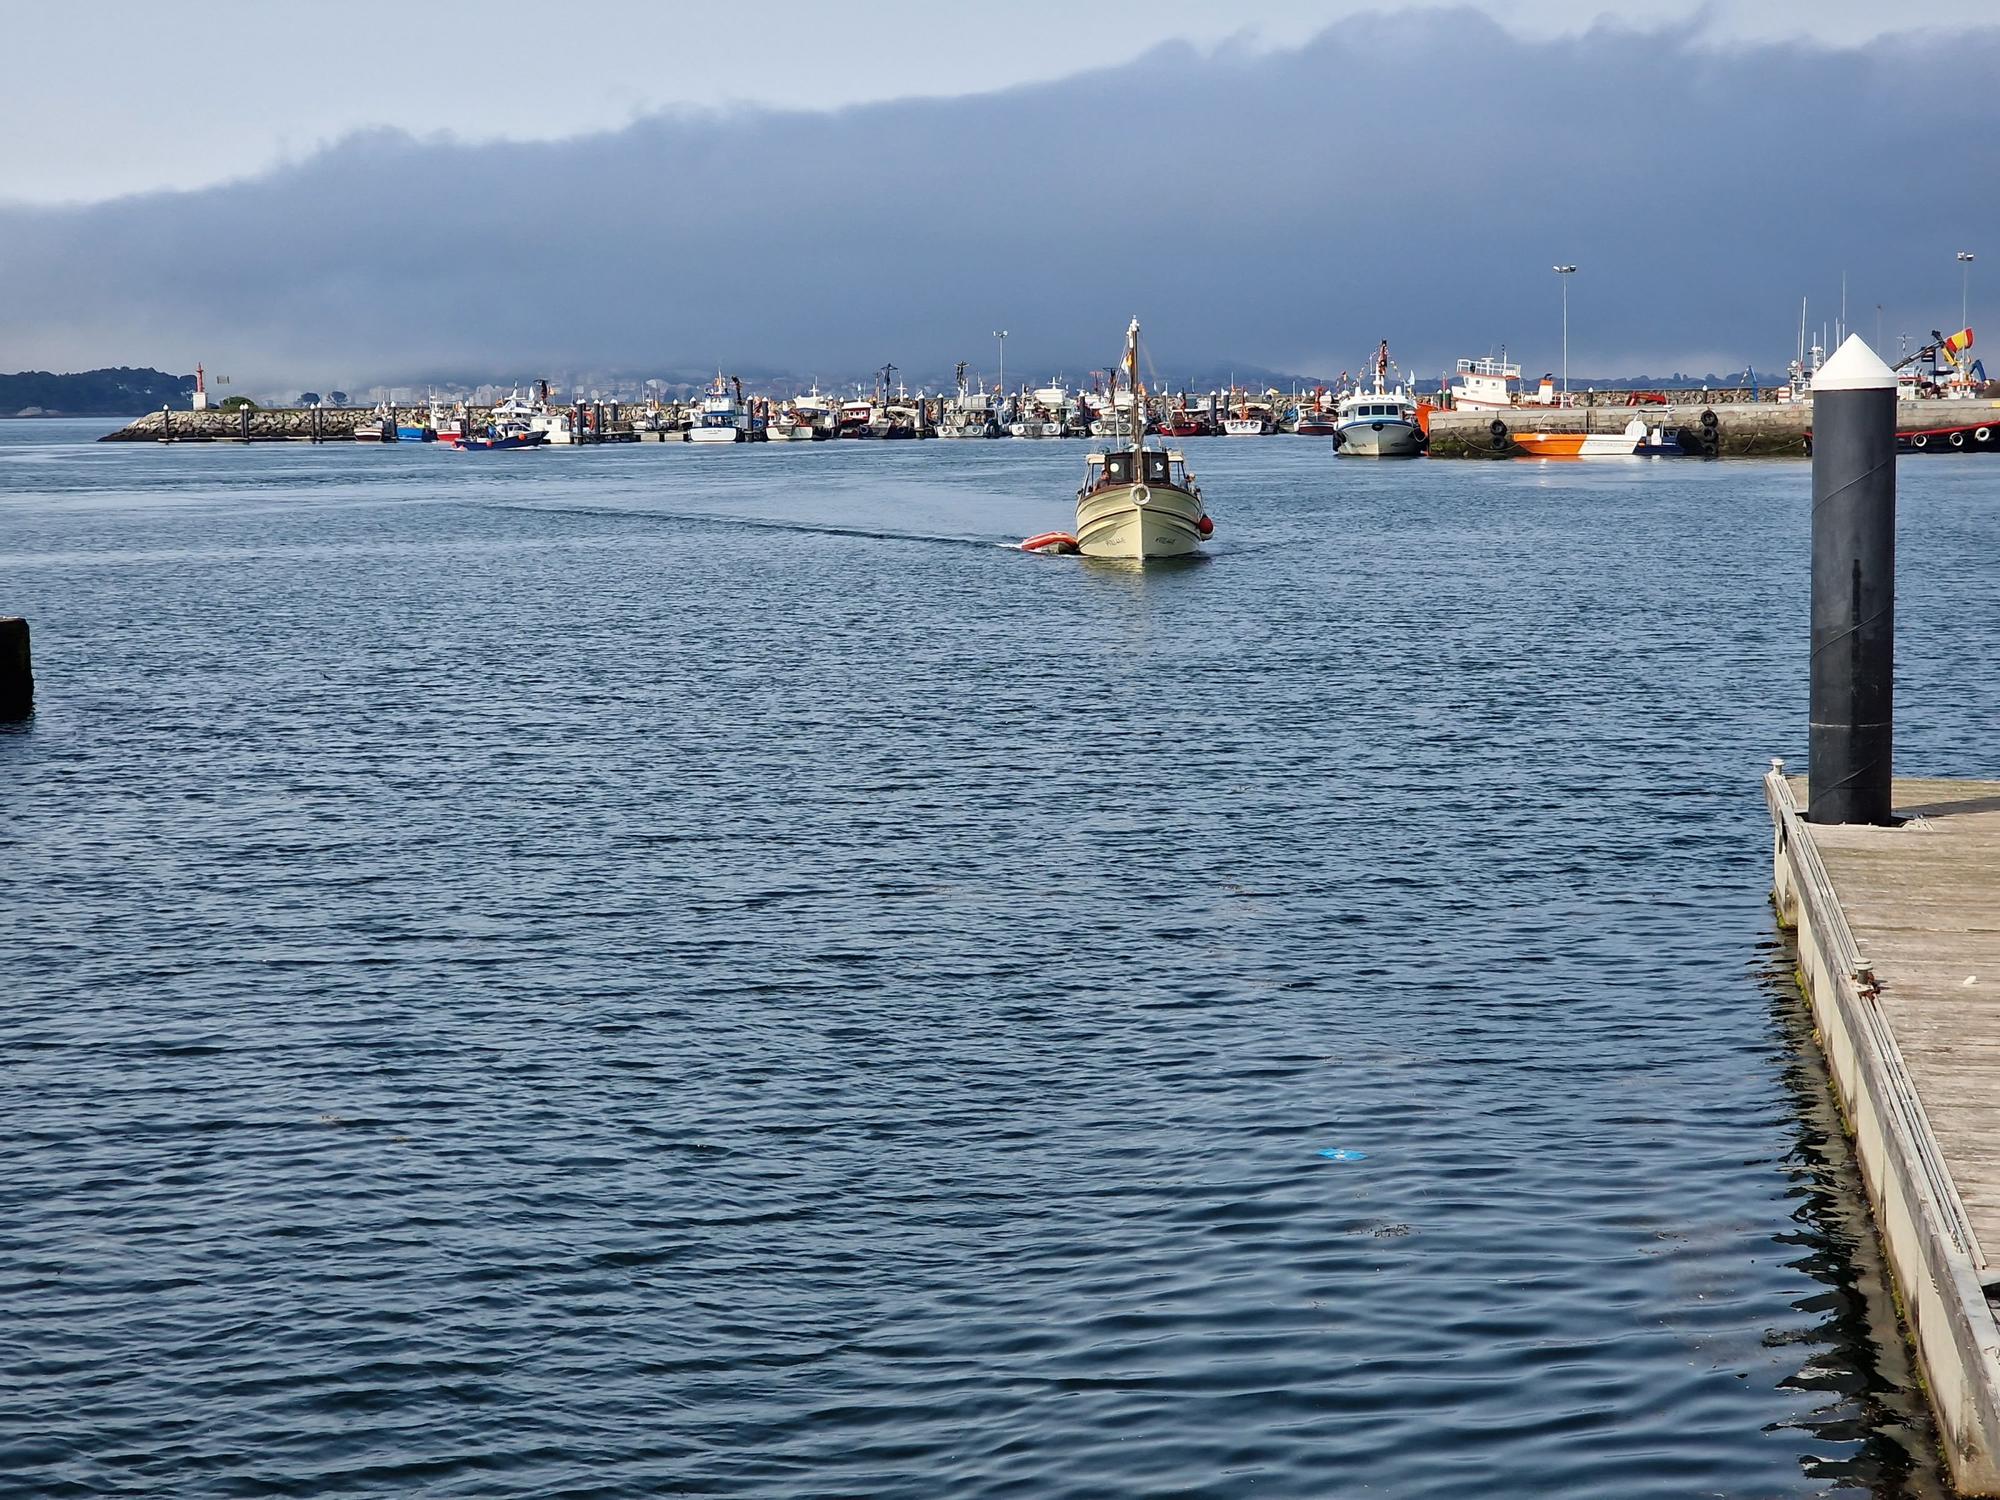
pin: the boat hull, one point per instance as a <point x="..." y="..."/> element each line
<point x="1245" y="427"/>
<point x="1379" y="439"/>
<point x="1138" y="521"/>
<point x="497" y="444"/>
<point x="715" y="435"/>
<point x="778" y="433"/>
<point x="1575" y="445"/>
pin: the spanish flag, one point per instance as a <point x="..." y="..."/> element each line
<point x="1959" y="342"/>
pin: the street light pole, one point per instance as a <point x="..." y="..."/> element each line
<point x="1563" y="274"/>
<point x="1965" y="289"/>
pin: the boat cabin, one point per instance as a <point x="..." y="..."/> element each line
<point x="1149" y="466"/>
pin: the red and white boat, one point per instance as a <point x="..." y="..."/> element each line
<point x="1318" y="419"/>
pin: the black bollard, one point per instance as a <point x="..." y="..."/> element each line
<point x="1853" y="588"/>
<point x="17" y="676"/>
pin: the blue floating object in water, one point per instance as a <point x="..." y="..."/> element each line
<point x="1341" y="1153"/>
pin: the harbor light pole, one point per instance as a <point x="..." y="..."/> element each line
<point x="1563" y="274"/>
<point x="1965" y="289"/>
<point x="1001" y="335"/>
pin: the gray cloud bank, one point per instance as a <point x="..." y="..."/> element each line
<point x="1410" y="177"/>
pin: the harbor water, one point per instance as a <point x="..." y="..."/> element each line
<point x="663" y="970"/>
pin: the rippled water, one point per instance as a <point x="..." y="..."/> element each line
<point x="664" y="971"/>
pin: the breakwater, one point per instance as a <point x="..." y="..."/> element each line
<point x="1723" y="430"/>
<point x="315" y="424"/>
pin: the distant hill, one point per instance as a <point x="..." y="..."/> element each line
<point x="122" y="392"/>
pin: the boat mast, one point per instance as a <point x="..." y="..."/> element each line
<point x="1132" y="384"/>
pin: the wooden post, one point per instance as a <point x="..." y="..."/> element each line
<point x="17" y="677"/>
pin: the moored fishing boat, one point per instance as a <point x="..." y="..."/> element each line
<point x="1139" y="502"/>
<point x="788" y="425"/>
<point x="1378" y="423"/>
<point x="1636" y="441"/>
<point x="970" y="414"/>
<point x="819" y="412"/>
<point x="856" y="420"/>
<point x="723" y="417"/>
<point x="1250" y="419"/>
<point x="447" y="423"/>
<point x="1318" y="417"/>
<point x="380" y="428"/>
<point x="1485" y="384"/>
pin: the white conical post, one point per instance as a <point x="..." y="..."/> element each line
<point x="1853" y="588"/>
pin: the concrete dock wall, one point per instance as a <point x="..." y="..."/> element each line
<point x="1740" y="431"/>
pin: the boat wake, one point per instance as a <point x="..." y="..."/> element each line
<point x="753" y="523"/>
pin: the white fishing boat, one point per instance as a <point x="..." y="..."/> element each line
<point x="969" y="414"/>
<point x="1377" y="424"/>
<point x="559" y="427"/>
<point x="821" y="412"/>
<point x="1035" y="427"/>
<point x="1248" y="419"/>
<point x="723" y="418"/>
<point x="1485" y="384"/>
<point x="789" y="425"/>
<point x="1380" y="422"/>
<point x="1138" y="502"/>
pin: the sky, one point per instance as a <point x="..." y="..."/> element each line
<point x="662" y="189"/>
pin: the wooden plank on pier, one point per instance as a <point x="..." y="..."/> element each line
<point x="1916" y="1057"/>
<point x="1923" y="902"/>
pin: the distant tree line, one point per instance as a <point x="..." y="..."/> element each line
<point x="122" y="392"/>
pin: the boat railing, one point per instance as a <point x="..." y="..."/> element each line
<point x="1489" y="366"/>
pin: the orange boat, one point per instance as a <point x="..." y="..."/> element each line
<point x="1635" y="441"/>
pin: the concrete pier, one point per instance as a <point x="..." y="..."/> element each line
<point x="1898" y="934"/>
<point x="17" y="674"/>
<point x="1765" y="430"/>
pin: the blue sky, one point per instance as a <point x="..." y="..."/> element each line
<point x="781" y="189"/>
